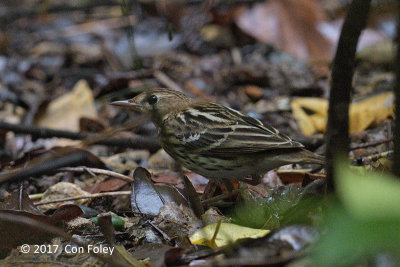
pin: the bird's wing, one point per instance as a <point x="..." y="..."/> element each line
<point x="215" y="129"/>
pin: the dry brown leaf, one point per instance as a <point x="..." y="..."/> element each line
<point x="362" y="114"/>
<point x="65" y="111"/>
<point x="290" y="25"/>
<point x="297" y="176"/>
<point x="63" y="190"/>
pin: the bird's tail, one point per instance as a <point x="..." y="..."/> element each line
<point x="305" y="156"/>
<point x="310" y="157"/>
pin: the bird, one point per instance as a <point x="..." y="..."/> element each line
<point x="216" y="141"/>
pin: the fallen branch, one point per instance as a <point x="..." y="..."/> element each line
<point x="78" y="158"/>
<point x="369" y="144"/>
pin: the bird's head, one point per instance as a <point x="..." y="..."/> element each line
<point x="156" y="103"/>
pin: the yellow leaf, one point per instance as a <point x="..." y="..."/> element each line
<point x="319" y="122"/>
<point x="309" y="124"/>
<point x="362" y="114"/>
<point x="227" y="233"/>
<point x="369" y="111"/>
<point x="65" y="111"/>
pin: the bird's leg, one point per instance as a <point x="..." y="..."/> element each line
<point x="254" y="180"/>
<point x="211" y="187"/>
<point x="228" y="184"/>
<point x="209" y="190"/>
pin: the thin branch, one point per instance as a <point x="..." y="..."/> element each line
<point x="77" y="158"/>
<point x="369" y="144"/>
<point x="103" y="194"/>
<point x="167" y="81"/>
<point x="337" y="136"/>
<point x="98" y="171"/>
<point x="165" y="236"/>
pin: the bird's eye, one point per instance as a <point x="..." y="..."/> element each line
<point x="152" y="99"/>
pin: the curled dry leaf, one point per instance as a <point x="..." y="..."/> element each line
<point x="148" y="198"/>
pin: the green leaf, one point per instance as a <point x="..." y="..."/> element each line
<point x="349" y="241"/>
<point x="364" y="223"/>
<point x="368" y="195"/>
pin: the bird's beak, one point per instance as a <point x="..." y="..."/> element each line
<point x="128" y="104"/>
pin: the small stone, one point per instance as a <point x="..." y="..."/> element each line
<point x="80" y="225"/>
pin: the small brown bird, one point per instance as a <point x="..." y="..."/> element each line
<point x="216" y="141"/>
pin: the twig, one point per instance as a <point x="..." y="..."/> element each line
<point x="98" y="171"/>
<point x="212" y="241"/>
<point x="197" y="92"/>
<point x="126" y="10"/>
<point x="337" y="135"/>
<point x="89" y="27"/>
<point x="103" y="194"/>
<point x="166" y="237"/>
<point x="369" y="144"/>
<point x="138" y="142"/>
<point x="220" y="197"/>
<point x="167" y="81"/>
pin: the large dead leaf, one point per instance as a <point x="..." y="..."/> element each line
<point x="289" y="25"/>
<point x="362" y="114"/>
<point x="65" y="111"/>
